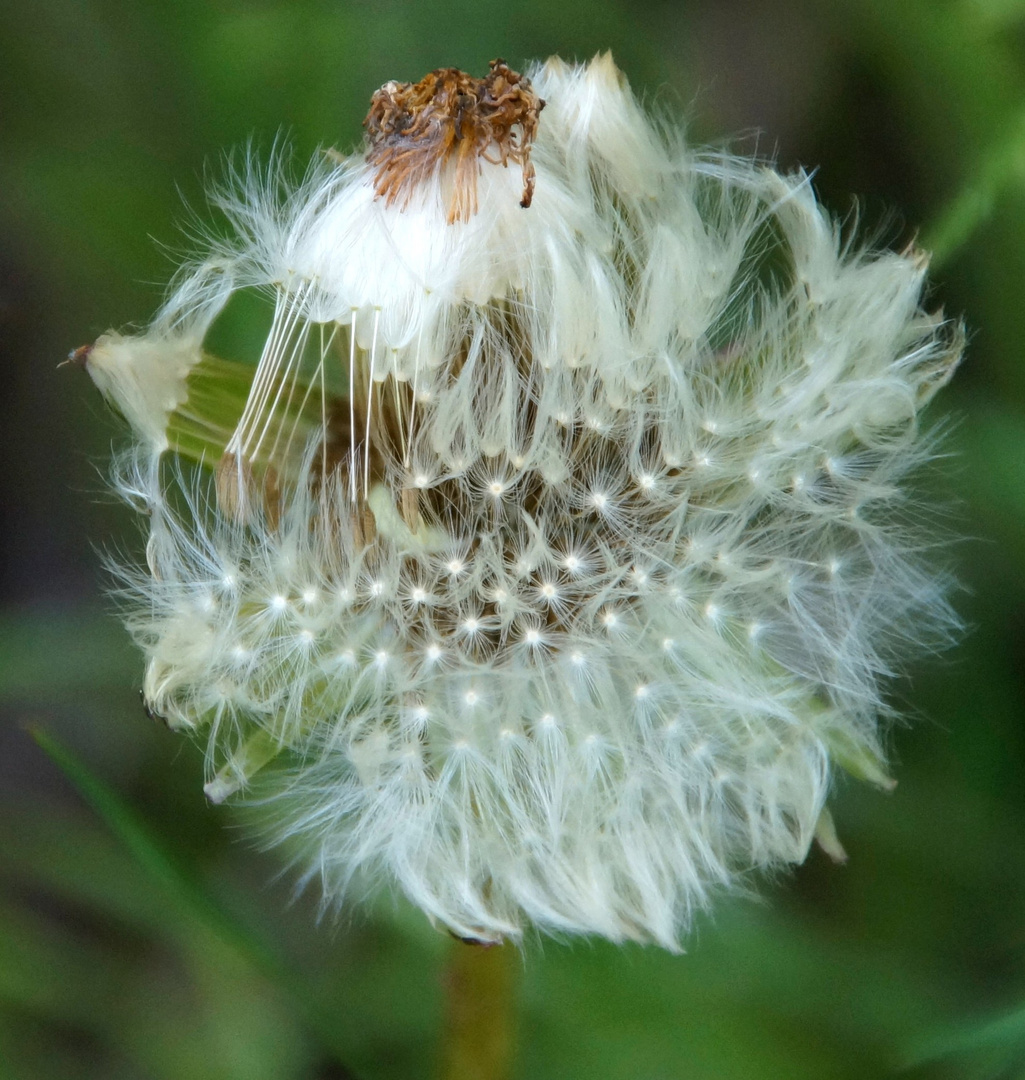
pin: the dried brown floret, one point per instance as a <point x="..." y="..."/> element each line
<point x="235" y="486"/>
<point x="415" y="128"/>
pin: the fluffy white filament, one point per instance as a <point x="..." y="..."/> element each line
<point x="613" y="555"/>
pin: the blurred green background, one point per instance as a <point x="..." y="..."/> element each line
<point x="909" y="960"/>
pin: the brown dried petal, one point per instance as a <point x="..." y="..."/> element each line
<point x="233" y="482"/>
<point x="415" y="128"/>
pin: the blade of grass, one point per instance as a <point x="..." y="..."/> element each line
<point x="1004" y="1032"/>
<point x="973" y="205"/>
<point x="188" y="895"/>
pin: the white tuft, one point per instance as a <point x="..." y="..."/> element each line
<point x="614" y="554"/>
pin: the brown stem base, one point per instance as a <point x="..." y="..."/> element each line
<point x="479" y="991"/>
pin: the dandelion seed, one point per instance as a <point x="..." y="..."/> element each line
<point x="548" y="592"/>
<point x="524" y="271"/>
<point x="572" y="564"/>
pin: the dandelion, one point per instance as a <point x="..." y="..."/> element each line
<point x="556" y="548"/>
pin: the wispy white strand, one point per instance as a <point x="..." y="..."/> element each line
<point x="659" y="428"/>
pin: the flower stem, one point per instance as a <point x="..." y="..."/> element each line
<point x="479" y="1021"/>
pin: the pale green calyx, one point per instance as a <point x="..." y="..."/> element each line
<point x="144" y="378"/>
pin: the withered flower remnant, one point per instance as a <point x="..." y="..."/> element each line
<point x="415" y="128"/>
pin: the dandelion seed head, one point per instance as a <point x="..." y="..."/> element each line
<point x="520" y="538"/>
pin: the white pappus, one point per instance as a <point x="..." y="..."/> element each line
<point x="557" y="545"/>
